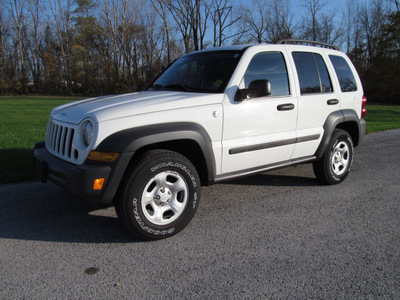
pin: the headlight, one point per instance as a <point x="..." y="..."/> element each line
<point x="87" y="132"/>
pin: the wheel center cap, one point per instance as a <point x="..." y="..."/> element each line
<point x="162" y="196"/>
<point x="338" y="157"/>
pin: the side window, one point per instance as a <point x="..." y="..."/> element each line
<point x="326" y="84"/>
<point x="344" y="74"/>
<point x="270" y="66"/>
<point x="312" y="72"/>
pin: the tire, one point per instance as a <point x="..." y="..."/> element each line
<point x="336" y="163"/>
<point x="159" y="195"/>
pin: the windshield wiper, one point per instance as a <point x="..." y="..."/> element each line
<point x="157" y="87"/>
<point x="174" y="87"/>
<point x="179" y="87"/>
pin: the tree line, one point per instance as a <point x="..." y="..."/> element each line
<point x="96" y="47"/>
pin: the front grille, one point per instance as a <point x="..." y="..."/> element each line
<point x="59" y="139"/>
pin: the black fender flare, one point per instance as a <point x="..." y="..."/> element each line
<point x="331" y="123"/>
<point x="130" y="140"/>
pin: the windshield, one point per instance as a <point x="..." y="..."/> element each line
<point x="204" y="72"/>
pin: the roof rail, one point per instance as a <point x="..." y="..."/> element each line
<point x="305" y="42"/>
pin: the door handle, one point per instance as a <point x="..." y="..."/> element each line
<point x="287" y="106"/>
<point x="332" y="102"/>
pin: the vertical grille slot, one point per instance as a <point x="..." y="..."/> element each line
<point x="68" y="142"/>
<point x="62" y="140"/>
<point x="57" y="148"/>
<point x="59" y="139"/>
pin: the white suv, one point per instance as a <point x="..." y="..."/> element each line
<point x="212" y="115"/>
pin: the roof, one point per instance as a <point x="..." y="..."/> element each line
<point x="281" y="42"/>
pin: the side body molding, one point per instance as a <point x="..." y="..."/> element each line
<point x="354" y="125"/>
<point x="131" y="140"/>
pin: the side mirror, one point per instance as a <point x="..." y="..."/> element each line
<point x="257" y="88"/>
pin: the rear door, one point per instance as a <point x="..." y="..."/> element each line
<point x="318" y="97"/>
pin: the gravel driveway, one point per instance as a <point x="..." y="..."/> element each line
<point x="275" y="235"/>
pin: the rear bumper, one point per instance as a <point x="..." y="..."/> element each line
<point x="363" y="129"/>
<point x="77" y="180"/>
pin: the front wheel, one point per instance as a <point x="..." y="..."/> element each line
<point x="336" y="163"/>
<point x="160" y="195"/>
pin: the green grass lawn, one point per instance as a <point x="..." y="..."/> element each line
<point x="23" y="122"/>
<point x="382" y="117"/>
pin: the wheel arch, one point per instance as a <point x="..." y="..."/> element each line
<point x="188" y="139"/>
<point x="347" y="120"/>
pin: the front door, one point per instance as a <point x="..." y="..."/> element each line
<point x="261" y="131"/>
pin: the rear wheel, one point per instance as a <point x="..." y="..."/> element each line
<point x="160" y="195"/>
<point x="336" y="163"/>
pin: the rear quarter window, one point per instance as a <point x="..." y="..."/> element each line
<point x="345" y="75"/>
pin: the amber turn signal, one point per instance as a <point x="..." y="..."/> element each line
<point x="103" y="156"/>
<point x="98" y="184"/>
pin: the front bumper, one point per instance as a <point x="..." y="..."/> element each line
<point x="75" y="179"/>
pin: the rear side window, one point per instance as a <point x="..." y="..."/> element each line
<point x="345" y="75"/>
<point x="312" y="72"/>
<point x="270" y="66"/>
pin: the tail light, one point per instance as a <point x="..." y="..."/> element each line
<point x="363" y="108"/>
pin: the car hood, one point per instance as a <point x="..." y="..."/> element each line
<point x="125" y="105"/>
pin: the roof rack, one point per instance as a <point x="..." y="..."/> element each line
<point x="305" y="42"/>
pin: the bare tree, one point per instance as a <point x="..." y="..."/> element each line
<point x="131" y="44"/>
<point x="311" y="23"/>
<point x="2" y="47"/>
<point x="349" y="22"/>
<point x="223" y="21"/>
<point x="372" y="19"/>
<point x="150" y="39"/>
<point x="203" y="11"/>
<point x="397" y="4"/>
<point x="34" y="59"/>
<point x="108" y="27"/>
<point x="16" y="11"/>
<point x="161" y="9"/>
<point x="114" y="15"/>
<point x="181" y="11"/>
<point x="330" y="32"/>
<point x="60" y="16"/>
<point x="255" y="20"/>
<point x="282" y="21"/>
<point x="191" y="18"/>
<point x="171" y="42"/>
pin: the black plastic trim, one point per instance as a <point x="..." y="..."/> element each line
<point x="332" y="102"/>
<point x="285" y="107"/>
<point x="261" y="169"/>
<point x="363" y="130"/>
<point x="77" y="180"/>
<point x="131" y="140"/>
<point x="332" y="122"/>
<point x="308" y="138"/>
<point x="263" y="146"/>
<point x="251" y="148"/>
